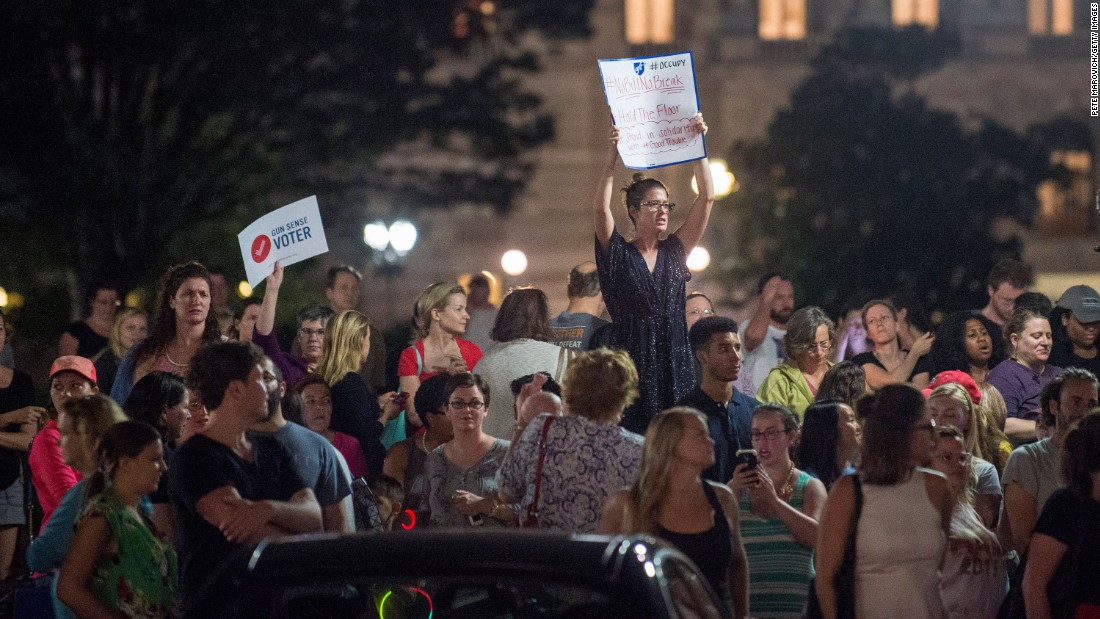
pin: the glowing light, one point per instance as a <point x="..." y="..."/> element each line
<point x="649" y="569"/>
<point x="244" y="290"/>
<point x="376" y="235"/>
<point x="382" y="602"/>
<point x="135" y="298"/>
<point x="402" y="236"/>
<point x="725" y="182"/>
<point x="3" y="297"/>
<point x="412" y="520"/>
<point x="698" y="259"/>
<point x="514" y="262"/>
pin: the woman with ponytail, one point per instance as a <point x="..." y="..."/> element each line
<point x="118" y="564"/>
<point x="85" y="421"/>
<point x="643" y="279"/>
<point x="670" y="499"/>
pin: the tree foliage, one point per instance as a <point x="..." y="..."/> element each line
<point x="130" y="124"/>
<point x="856" y="187"/>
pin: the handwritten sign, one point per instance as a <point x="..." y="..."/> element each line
<point x="652" y="102"/>
<point x="289" y="234"/>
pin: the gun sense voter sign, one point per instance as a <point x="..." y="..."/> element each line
<point x="290" y="234"/>
<point x="652" y="102"/>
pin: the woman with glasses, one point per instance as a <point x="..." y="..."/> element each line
<point x="643" y="279"/>
<point x="795" y="382"/>
<point x="462" y="473"/>
<point x="902" y="525"/>
<point x="889" y="362"/>
<point x="973" y="580"/>
<point x="309" y="340"/>
<point x="780" y="507"/>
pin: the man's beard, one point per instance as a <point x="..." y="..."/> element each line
<point x="274" y="403"/>
<point x="782" y="316"/>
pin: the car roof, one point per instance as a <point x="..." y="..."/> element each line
<point x="584" y="558"/>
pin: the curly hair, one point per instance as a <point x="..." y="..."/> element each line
<point x="845" y="382"/>
<point x="163" y="329"/>
<point x="600" y="384"/>
<point x="949" y="348"/>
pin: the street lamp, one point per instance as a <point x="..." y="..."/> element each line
<point x="513" y="262"/>
<point x="391" y="244"/>
<point x="698" y="260"/>
<point x="3" y="297"/>
<point x="724" y="181"/>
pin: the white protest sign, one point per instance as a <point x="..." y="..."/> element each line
<point x="289" y="234"/>
<point x="652" y="102"/>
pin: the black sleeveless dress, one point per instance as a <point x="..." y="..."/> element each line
<point x="710" y="550"/>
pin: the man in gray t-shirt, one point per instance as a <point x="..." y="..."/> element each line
<point x="762" y="335"/>
<point x="1033" y="471"/>
<point x="574" y="327"/>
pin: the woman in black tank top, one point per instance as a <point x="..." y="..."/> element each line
<point x="671" y="500"/>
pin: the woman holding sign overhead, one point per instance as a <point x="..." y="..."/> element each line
<point x="643" y="279"/>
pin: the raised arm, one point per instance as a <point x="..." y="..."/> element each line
<point x="757" y="329"/>
<point x="695" y="223"/>
<point x="265" y="324"/>
<point x="603" y="221"/>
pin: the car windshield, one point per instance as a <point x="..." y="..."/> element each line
<point x="442" y="598"/>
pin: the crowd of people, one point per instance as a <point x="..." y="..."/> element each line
<point x="891" y="470"/>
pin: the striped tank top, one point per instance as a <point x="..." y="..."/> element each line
<point x="779" y="567"/>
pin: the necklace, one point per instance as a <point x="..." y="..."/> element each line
<point x="424" y="443"/>
<point x="788" y="486"/>
<point x="173" y="361"/>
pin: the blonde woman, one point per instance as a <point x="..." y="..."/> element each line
<point x="973" y="580"/>
<point x="995" y="411"/>
<point x="599" y="385"/>
<point x="950" y="405"/>
<point x="130" y="327"/>
<point x="356" y="410"/>
<point x="670" y="499"/>
<point x="440" y="317"/>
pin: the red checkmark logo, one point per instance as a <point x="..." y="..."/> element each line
<point x="261" y="247"/>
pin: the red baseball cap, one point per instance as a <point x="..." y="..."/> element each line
<point x="955" y="376"/>
<point x="73" y="363"/>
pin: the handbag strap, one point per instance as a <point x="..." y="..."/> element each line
<point x="533" y="509"/>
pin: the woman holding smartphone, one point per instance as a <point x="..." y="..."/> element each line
<point x="780" y="507"/>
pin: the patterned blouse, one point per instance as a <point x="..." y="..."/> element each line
<point x="445" y="479"/>
<point x="586" y="462"/>
<point x="137" y="573"/>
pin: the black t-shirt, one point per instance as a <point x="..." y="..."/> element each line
<point x="865" y="358"/>
<point x="202" y="465"/>
<point x="1061" y="355"/>
<point x="1075" y="521"/>
<point x="89" y="342"/>
<point x="18" y="394"/>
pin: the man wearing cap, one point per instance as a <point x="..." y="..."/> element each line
<point x="70" y="377"/>
<point x="1075" y="323"/>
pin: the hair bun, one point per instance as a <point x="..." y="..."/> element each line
<point x="638" y="177"/>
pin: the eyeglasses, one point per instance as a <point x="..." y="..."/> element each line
<point x="653" y="207"/>
<point x="474" y="405"/>
<point x="820" y="346"/>
<point x="704" y="311"/>
<point x="767" y="435"/>
<point x="308" y="333"/>
<point x="962" y="458"/>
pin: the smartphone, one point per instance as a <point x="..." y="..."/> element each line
<point x="746" y="456"/>
<point x="401" y="398"/>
